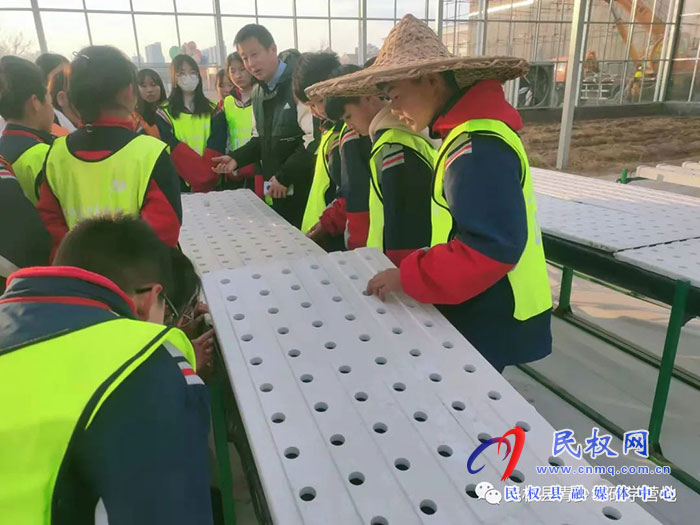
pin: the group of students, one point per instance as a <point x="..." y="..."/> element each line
<point x="415" y="154"/>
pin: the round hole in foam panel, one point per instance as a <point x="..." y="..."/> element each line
<point x="380" y="360"/>
<point x="447" y="344"/>
<point x="307" y="494"/>
<point x="435" y="378"/>
<point x="428" y="507"/>
<point x="247" y="337"/>
<point x="445" y="451"/>
<point x="397" y="330"/>
<point x="354" y="277"/>
<point x="291" y="453"/>
<point x="483" y="437"/>
<point x="239" y="317"/>
<point x="264" y="292"/>
<point x="306" y="378"/>
<point x="379" y="520"/>
<point x="350" y="317"/>
<point x="555" y="461"/>
<point x="286" y="271"/>
<point x="225" y="281"/>
<point x="278" y="417"/>
<point x="256" y="276"/>
<point x="337" y="440"/>
<point x="306" y="304"/>
<point x="494" y="395"/>
<point x="273" y="310"/>
<point x="470" y="369"/>
<point x="296" y="287"/>
<point x="415" y="352"/>
<point x="517" y="476"/>
<point x="294" y="353"/>
<point x="317" y="324"/>
<point x="255" y="361"/>
<point x="356" y="478"/>
<point x="381" y="311"/>
<point x="421" y="417"/>
<point x="283" y="330"/>
<point x="330" y="345"/>
<point x="380" y="428"/>
<point x="399" y="387"/>
<point x="345" y="369"/>
<point x="612" y="513"/>
<point x="321" y="406"/>
<point x="337" y="299"/>
<point x="231" y="298"/>
<point x="458" y="406"/>
<point x="361" y="396"/>
<point x="266" y="387"/>
<point x="325" y="282"/>
<point x="470" y="489"/>
<point x="402" y="464"/>
<point x="364" y="338"/>
<point x="524" y="425"/>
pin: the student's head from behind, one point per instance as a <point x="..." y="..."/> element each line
<point x="23" y="94"/>
<point x="223" y="84"/>
<point x="237" y="73"/>
<point x="258" y="51"/>
<point x="310" y="69"/>
<point x="126" y="251"/>
<point x="151" y="88"/>
<point x="187" y="81"/>
<point x="357" y="112"/>
<point x="58" y="89"/>
<point x="102" y="82"/>
<point x="50" y="63"/>
<point x="418" y="101"/>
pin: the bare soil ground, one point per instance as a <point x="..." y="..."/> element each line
<point x="604" y="147"/>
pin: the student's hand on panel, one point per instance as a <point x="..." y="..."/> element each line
<point x="277" y="190"/>
<point x="204" y="351"/>
<point x="317" y="233"/>
<point x="224" y="164"/>
<point x="385" y="283"/>
<point x="193" y="323"/>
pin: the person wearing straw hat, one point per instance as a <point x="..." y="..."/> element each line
<point x="485" y="269"/>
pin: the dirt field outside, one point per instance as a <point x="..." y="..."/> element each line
<point x="606" y="147"/>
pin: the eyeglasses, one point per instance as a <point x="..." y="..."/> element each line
<point x="171" y="313"/>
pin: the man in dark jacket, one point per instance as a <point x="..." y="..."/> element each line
<point x="282" y="127"/>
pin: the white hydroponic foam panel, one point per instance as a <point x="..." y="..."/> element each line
<point x="230" y="229"/>
<point x="670" y="210"/>
<point x="677" y="260"/>
<point x="364" y="412"/>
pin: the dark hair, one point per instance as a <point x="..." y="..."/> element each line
<point x="220" y="75"/>
<point x="47" y="62"/>
<point x="147" y="110"/>
<point x="97" y="75"/>
<point x="233" y="57"/>
<point x="335" y="106"/>
<point x="187" y="283"/>
<point x="311" y="68"/>
<point x="260" y="33"/>
<point x="19" y="80"/>
<point x="124" y="249"/>
<point x="176" y="102"/>
<point x="57" y="83"/>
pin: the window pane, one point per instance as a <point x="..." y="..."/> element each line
<point x="14" y="3"/>
<point x="165" y="6"/>
<point x="680" y="79"/>
<point x="521" y="9"/>
<point x="313" y="35"/>
<point x="198" y="37"/>
<point x="114" y="30"/>
<point x="345" y="8"/>
<point x="344" y="40"/>
<point x="312" y="8"/>
<point x="58" y="40"/>
<point x="18" y="35"/>
<point x="380" y="9"/>
<point x="70" y="4"/>
<point x="238" y="7"/>
<point x="282" y="31"/>
<point x="415" y="7"/>
<point x="275" y="7"/>
<point x="231" y="26"/>
<point x="433" y="8"/>
<point x="157" y="38"/>
<point x="195" y="6"/>
<point x="464" y="42"/>
<point x="376" y="33"/>
<point x="112" y="5"/>
<point x="605" y="43"/>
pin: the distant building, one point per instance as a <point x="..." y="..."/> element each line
<point x="154" y="53"/>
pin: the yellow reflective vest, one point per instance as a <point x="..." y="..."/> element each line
<point x="116" y="184"/>
<point x="425" y="151"/>
<point x="52" y="390"/>
<point x="322" y="179"/>
<point x="528" y="279"/>
<point x="27" y="168"/>
<point x="239" y="122"/>
<point x="193" y="130"/>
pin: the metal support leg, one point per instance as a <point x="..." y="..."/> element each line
<point x="567" y="278"/>
<point x="663" y="383"/>
<point x="222" y="457"/>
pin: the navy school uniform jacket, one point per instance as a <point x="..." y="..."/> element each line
<point x="146" y="454"/>
<point x="406" y="183"/>
<point x="467" y="276"/>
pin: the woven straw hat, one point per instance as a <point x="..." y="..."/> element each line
<point x="412" y="49"/>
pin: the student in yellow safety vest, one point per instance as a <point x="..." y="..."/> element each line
<point x="232" y="126"/>
<point x="105" y="166"/>
<point x="151" y="96"/>
<point x="485" y="268"/>
<point x="104" y="411"/>
<point x="26" y="106"/>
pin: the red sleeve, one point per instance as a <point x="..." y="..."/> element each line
<point x="193" y="168"/>
<point x="450" y="273"/>
<point x="159" y="213"/>
<point x="358" y="229"/>
<point x="333" y="218"/>
<point x="51" y="215"/>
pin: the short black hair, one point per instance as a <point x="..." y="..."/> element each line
<point x="97" y="75"/>
<point x="310" y="69"/>
<point x="47" y="62"/>
<point x="124" y="249"/>
<point x="335" y="106"/>
<point x="260" y="33"/>
<point x="19" y="80"/>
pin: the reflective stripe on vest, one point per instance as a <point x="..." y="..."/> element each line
<point x="52" y="391"/>
<point x="116" y="184"/>
<point x="27" y="168"/>
<point x="193" y="130"/>
<point x="321" y="182"/>
<point x="529" y="280"/>
<point x="408" y="139"/>
<point x="240" y="122"/>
